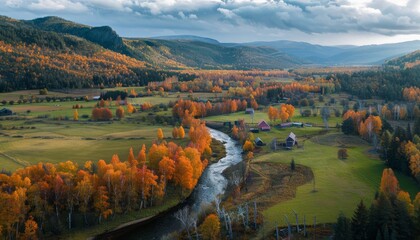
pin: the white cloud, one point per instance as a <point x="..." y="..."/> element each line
<point x="308" y="17"/>
<point x="48" y="5"/>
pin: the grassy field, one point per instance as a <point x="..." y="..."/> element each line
<point x="68" y="140"/>
<point x="339" y="184"/>
<point x="262" y="115"/>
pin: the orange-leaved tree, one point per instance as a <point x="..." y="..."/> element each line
<point x="389" y="183"/>
<point x="75" y="115"/>
<point x="248" y="146"/>
<point x="119" y="112"/>
<point x="210" y="228"/>
<point x="141" y="157"/>
<point x="184" y="173"/>
<point x="160" y="134"/>
<point x="156" y="153"/>
<point x="31" y="228"/>
<point x="175" y="132"/>
<point x="272" y="113"/>
<point x="181" y="132"/>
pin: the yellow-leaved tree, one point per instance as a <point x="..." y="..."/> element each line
<point x="210" y="228"/>
<point x="160" y="134"/>
<point x="75" y="115"/>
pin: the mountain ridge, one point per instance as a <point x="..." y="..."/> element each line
<point x="190" y="51"/>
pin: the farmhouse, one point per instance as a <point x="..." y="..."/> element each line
<point x="291" y="141"/>
<point x="249" y="111"/>
<point x="5" y="112"/>
<point x="263" y="126"/>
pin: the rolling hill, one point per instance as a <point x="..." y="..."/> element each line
<point x="407" y="61"/>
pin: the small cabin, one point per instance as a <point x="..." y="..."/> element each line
<point x="291" y="141"/>
<point x="249" y="111"/>
<point x="263" y="126"/>
<point x="5" y="112"/>
<point x="259" y="142"/>
<point x="96" y="98"/>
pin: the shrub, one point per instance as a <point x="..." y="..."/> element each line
<point x="342" y="153"/>
<point x="43" y="91"/>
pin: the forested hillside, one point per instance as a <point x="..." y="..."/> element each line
<point x="32" y="58"/>
<point x="204" y="55"/>
<point x="407" y="61"/>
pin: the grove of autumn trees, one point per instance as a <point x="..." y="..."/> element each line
<point x="284" y="113"/>
<point x="392" y="215"/>
<point x="400" y="149"/>
<point x="187" y="109"/>
<point x="46" y="198"/>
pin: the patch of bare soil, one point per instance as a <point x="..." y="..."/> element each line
<point x="271" y="183"/>
<point x="339" y="140"/>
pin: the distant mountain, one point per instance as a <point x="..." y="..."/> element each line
<point x="341" y="55"/>
<point x="188" y="38"/>
<point x="199" y="54"/>
<point x="407" y="61"/>
<point x="373" y="54"/>
<point x="306" y="52"/>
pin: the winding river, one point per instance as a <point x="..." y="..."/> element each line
<point x="211" y="184"/>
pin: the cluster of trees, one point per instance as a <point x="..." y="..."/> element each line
<point x="412" y="94"/>
<point x="285" y="112"/>
<point x="43" y="197"/>
<point x="186" y="109"/>
<point x="409" y="111"/>
<point x="101" y="114"/>
<point x="366" y="125"/>
<point x="178" y="132"/>
<point x="392" y="215"/>
<point x="401" y="150"/>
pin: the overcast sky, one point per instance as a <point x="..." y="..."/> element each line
<point x="327" y="22"/>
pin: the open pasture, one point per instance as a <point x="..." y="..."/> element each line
<point x="339" y="184"/>
<point x="46" y="141"/>
<point x="262" y="115"/>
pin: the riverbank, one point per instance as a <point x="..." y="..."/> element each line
<point x="113" y="231"/>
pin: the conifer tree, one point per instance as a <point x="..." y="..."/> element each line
<point x="359" y="222"/>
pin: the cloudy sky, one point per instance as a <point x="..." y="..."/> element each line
<point x="328" y="22"/>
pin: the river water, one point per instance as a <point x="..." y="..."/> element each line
<point x="211" y="184"/>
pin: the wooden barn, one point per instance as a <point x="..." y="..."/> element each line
<point x="5" y="112"/>
<point x="263" y="126"/>
<point x="291" y="141"/>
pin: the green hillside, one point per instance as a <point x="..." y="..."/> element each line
<point x="198" y="54"/>
<point x="407" y="61"/>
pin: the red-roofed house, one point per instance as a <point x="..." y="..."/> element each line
<point x="263" y="126"/>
